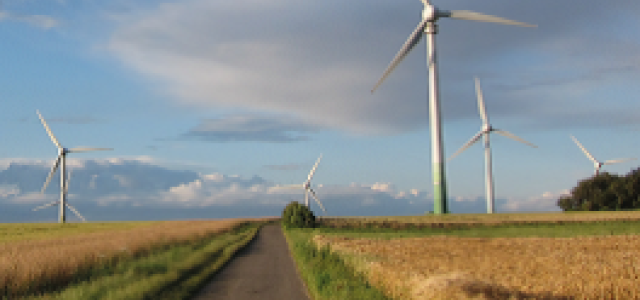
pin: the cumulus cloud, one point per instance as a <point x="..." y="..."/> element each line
<point x="104" y="188"/>
<point x="7" y="190"/>
<point x="545" y="202"/>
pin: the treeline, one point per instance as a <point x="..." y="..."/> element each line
<point x="604" y="192"/>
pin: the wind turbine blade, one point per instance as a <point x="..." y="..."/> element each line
<point x="313" y="193"/>
<point x="481" y="107"/>
<point x="53" y="170"/>
<point x="76" y="150"/>
<point x="313" y="170"/>
<point x="46" y="205"/>
<point x="75" y="212"/>
<point x="413" y="40"/>
<point x="475" y="16"/>
<point x="617" y="161"/>
<point x="514" y="137"/>
<point x="593" y="159"/>
<point x="472" y="141"/>
<point x="46" y="127"/>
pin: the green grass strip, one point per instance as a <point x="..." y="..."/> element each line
<point x="325" y="273"/>
<point x="175" y="273"/>
<point x="550" y="230"/>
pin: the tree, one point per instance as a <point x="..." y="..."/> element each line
<point x="296" y="215"/>
<point x="603" y="192"/>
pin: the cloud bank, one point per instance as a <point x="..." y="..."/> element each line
<point x="111" y="189"/>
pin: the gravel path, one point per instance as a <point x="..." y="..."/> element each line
<point x="263" y="270"/>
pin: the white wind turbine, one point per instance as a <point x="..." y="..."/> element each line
<point x="597" y="164"/>
<point x="64" y="182"/>
<point x="485" y="132"/>
<point x="430" y="15"/>
<point x="307" y="187"/>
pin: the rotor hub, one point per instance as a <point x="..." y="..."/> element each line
<point x="429" y="12"/>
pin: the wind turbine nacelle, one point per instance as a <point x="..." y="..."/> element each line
<point x="430" y="13"/>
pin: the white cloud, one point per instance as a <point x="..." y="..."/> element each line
<point x="545" y="202"/>
<point x="113" y="184"/>
<point x="32" y="198"/>
<point x="7" y="190"/>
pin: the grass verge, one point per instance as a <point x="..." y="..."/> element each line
<point x="325" y="274"/>
<point x="550" y="230"/>
<point x="170" y="273"/>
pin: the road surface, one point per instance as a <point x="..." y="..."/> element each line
<point x="262" y="270"/>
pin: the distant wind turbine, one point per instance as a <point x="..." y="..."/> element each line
<point x="597" y="164"/>
<point x="485" y="133"/>
<point x="307" y="187"/>
<point x="430" y="15"/>
<point x="64" y="183"/>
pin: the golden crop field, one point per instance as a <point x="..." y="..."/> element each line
<point x="33" y="263"/>
<point x="597" y="267"/>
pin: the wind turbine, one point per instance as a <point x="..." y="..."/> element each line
<point x="430" y="15"/>
<point x="485" y="133"/>
<point x="597" y="164"/>
<point x="61" y="162"/>
<point x="307" y="187"/>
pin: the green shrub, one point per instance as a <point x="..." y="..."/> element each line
<point x="296" y="215"/>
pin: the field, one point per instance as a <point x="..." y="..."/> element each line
<point x="37" y="259"/>
<point x="515" y="256"/>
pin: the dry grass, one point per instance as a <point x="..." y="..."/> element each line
<point x="470" y="220"/>
<point x="603" y="267"/>
<point x="33" y="265"/>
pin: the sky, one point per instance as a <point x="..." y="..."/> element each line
<point x="210" y="105"/>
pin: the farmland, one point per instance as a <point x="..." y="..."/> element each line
<point x="40" y="259"/>
<point x="533" y="256"/>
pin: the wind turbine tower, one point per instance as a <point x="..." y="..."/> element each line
<point x="61" y="162"/>
<point x="486" y="130"/>
<point x="428" y="26"/>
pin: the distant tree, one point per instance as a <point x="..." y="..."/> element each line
<point x="604" y="192"/>
<point x="296" y="215"/>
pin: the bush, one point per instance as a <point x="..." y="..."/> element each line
<point x="296" y="215"/>
<point x="604" y="192"/>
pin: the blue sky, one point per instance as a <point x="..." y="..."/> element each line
<point x="195" y="90"/>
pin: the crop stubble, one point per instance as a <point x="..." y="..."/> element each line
<point x="599" y="267"/>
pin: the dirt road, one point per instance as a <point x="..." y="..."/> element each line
<point x="263" y="270"/>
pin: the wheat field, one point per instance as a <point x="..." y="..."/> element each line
<point x="602" y="267"/>
<point x="43" y="263"/>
